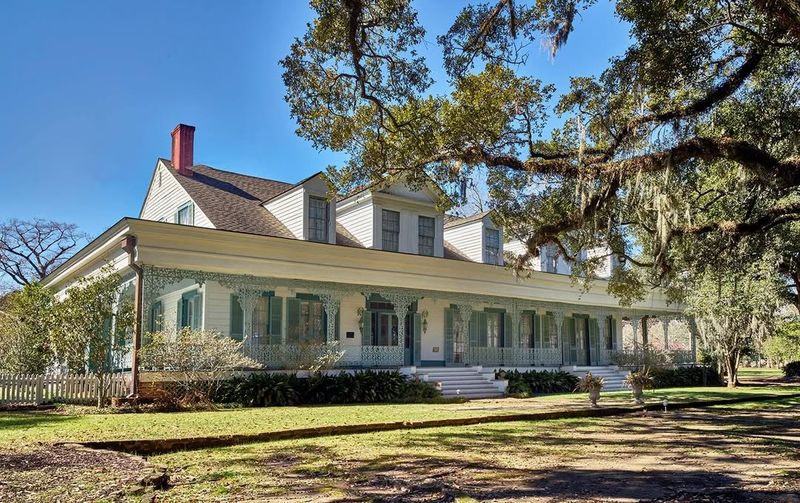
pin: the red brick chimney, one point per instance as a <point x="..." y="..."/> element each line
<point x="183" y="149"/>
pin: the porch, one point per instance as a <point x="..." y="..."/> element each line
<point x="290" y="324"/>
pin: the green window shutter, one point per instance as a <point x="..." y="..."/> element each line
<point x="197" y="314"/>
<point x="509" y="332"/>
<point x="275" y="316"/>
<point x="612" y="324"/>
<point x="536" y="324"/>
<point x="366" y="328"/>
<point x="336" y="332"/>
<point x="417" y="339"/>
<point x="569" y="334"/>
<point x="483" y="338"/>
<point x="292" y="320"/>
<point x="448" y="334"/>
<point x="237" y="319"/>
<point x="474" y="330"/>
<point x="181" y="313"/>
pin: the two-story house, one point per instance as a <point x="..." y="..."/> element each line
<point x="289" y="269"/>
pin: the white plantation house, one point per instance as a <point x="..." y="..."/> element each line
<point x="382" y="271"/>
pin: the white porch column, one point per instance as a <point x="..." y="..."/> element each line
<point x="558" y="316"/>
<point x="247" y="301"/>
<point x="665" y="321"/>
<point x="635" y="328"/>
<point x="693" y="333"/>
<point x="330" y="302"/>
<point x="401" y="303"/>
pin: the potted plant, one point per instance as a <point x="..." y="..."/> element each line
<point x="639" y="381"/>
<point x="592" y="385"/>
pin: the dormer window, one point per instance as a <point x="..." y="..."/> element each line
<point x="318" y="219"/>
<point x="492" y="246"/>
<point x="391" y="230"/>
<point x="427" y="235"/>
<point x="185" y="214"/>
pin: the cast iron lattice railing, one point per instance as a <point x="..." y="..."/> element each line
<point x="294" y="357"/>
<point x="382" y="356"/>
<point x="512" y="357"/>
<point x="289" y="356"/>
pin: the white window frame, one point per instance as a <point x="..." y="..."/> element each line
<point x="491" y="256"/>
<point x="395" y="232"/>
<point x="189" y="207"/>
<point x="432" y="236"/>
<point x="325" y="224"/>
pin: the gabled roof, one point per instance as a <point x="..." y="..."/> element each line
<point x="233" y="202"/>
<point x="455" y="221"/>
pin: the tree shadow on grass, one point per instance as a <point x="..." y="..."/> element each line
<point x="24" y="420"/>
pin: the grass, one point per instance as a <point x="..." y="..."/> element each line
<point x="739" y="447"/>
<point x="28" y="427"/>
<point x="557" y="459"/>
<point x="758" y="373"/>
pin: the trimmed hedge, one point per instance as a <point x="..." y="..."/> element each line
<point x="262" y="390"/>
<point x="792" y="369"/>
<point x="683" y="377"/>
<point x="535" y="382"/>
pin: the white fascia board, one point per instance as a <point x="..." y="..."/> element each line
<point x="90" y="254"/>
<point x="211" y="250"/>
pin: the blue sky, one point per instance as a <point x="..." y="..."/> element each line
<point x="90" y="90"/>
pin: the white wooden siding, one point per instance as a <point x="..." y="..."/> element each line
<point x="289" y="209"/>
<point x="468" y="239"/>
<point x="169" y="303"/>
<point x="517" y="247"/>
<point x="164" y="198"/>
<point x="358" y="221"/>
<point x="434" y="337"/>
<point x="608" y="264"/>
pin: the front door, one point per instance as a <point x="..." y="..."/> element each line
<point x="582" y="356"/>
<point x="408" y="346"/>
<point x="576" y="345"/>
<point x="387" y="329"/>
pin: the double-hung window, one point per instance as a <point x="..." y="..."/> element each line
<point x="317" y="219"/>
<point x="390" y="230"/>
<point x="190" y="310"/>
<point x="185" y="214"/>
<point x="427" y="233"/>
<point x="492" y="246"/>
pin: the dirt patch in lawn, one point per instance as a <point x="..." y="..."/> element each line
<point x="728" y="455"/>
<point x="74" y="473"/>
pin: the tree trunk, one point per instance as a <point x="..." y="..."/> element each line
<point x="731" y="364"/>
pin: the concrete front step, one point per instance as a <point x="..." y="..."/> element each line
<point x="467" y="382"/>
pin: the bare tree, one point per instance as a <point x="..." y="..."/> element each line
<point x="31" y="249"/>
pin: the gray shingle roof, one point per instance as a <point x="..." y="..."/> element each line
<point x="233" y="202"/>
<point x="453" y="220"/>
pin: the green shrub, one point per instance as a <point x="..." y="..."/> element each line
<point x="261" y="390"/>
<point x="792" y="369"/>
<point x="682" y="377"/>
<point x="535" y="382"/>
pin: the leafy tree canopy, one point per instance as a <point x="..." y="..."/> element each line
<point x="684" y="147"/>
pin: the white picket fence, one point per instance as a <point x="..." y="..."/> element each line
<point x="64" y="388"/>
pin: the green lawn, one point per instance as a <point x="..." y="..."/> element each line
<point x="756" y="373"/>
<point x="718" y="451"/>
<point x="26" y="427"/>
<point x="731" y="449"/>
